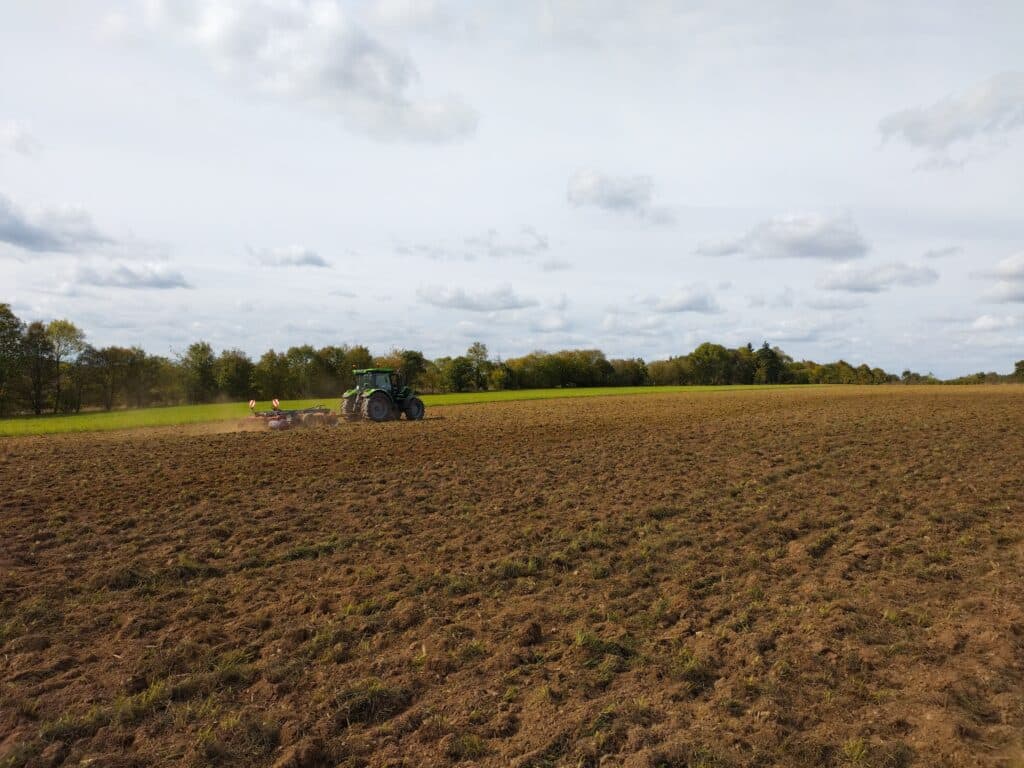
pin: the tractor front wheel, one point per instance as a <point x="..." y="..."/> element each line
<point x="349" y="408"/>
<point x="414" y="409"/>
<point x="377" y="407"/>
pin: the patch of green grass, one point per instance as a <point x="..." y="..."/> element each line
<point x="664" y="513"/>
<point x="514" y="569"/>
<point x="132" y="709"/>
<point x="598" y="646"/>
<point x="371" y="701"/>
<point x="314" y="551"/>
<point x="239" y="738"/>
<point x="467" y="746"/>
<point x="69" y="727"/>
<point x="856" y="751"/>
<point x="21" y="754"/>
<point x="474" y="649"/>
<point x="235" y="667"/>
<point x="177" y="415"/>
<point x="822" y="544"/>
<point x="692" y="670"/>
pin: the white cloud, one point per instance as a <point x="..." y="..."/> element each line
<point x="15" y="136"/>
<point x="797" y="330"/>
<point x="555" y="265"/>
<point x="526" y="243"/>
<point x="781" y="300"/>
<point x="551" y="322"/>
<point x="54" y="230"/>
<point x="835" y="304"/>
<point x="989" y="109"/>
<point x="313" y="52"/>
<point x="941" y="253"/>
<point x="994" y="323"/>
<point x="1009" y="280"/>
<point x="877" y="278"/>
<point x="428" y="16"/>
<point x="291" y="256"/>
<point x="115" y="26"/>
<point x="1007" y="293"/>
<point x="1010" y="268"/>
<point x="484" y="301"/>
<point x="137" y="276"/>
<point x="687" y="299"/>
<point x="620" y="323"/>
<point x="796" y="236"/>
<point x="621" y="194"/>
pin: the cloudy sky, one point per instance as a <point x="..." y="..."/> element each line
<point x="843" y="179"/>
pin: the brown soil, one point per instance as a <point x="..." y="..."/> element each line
<point x="820" y="577"/>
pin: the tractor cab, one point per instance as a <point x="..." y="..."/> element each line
<point x="376" y="378"/>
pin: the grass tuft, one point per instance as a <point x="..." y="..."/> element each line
<point x="371" y="701"/>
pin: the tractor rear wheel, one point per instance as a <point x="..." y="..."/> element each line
<point x="414" y="409"/>
<point x="377" y="407"/>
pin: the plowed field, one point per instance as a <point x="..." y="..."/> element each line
<point x="822" y="577"/>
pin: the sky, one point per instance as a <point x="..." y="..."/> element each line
<point x="841" y="179"/>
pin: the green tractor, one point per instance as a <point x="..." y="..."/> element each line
<point x="381" y="394"/>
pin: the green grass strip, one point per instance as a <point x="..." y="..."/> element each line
<point x="204" y="414"/>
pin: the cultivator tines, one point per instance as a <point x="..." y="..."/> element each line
<point x="281" y="419"/>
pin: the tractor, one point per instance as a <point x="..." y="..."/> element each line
<point x="381" y="394"/>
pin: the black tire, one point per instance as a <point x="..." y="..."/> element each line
<point x="414" y="409"/>
<point x="377" y="407"/>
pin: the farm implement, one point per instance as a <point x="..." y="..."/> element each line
<point x="280" y="419"/>
<point x="379" y="394"/>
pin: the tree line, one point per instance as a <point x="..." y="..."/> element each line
<point x="51" y="368"/>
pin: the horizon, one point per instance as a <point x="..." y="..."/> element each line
<point x="254" y="356"/>
<point x="843" y="182"/>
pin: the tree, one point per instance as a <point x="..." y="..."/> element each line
<point x="302" y="371"/>
<point x="1018" y="370"/>
<point x="459" y="374"/>
<point x="432" y="378"/>
<point x="630" y="373"/>
<point x="769" y="366"/>
<point x="413" y="364"/>
<point x="357" y="357"/>
<point x="197" y="366"/>
<point x="711" y="363"/>
<point x="499" y="377"/>
<point x="67" y="341"/>
<point x="105" y="372"/>
<point x="744" y="365"/>
<point x="143" y="376"/>
<point x="232" y="374"/>
<point x="481" y="365"/>
<point x="12" y="331"/>
<point x="39" y="364"/>
<point x="270" y="375"/>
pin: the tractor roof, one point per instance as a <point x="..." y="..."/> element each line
<point x="373" y="370"/>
